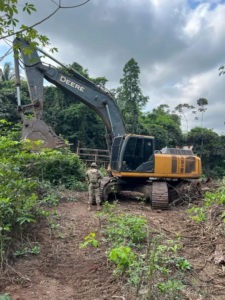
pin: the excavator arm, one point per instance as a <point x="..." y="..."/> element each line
<point x="96" y="97"/>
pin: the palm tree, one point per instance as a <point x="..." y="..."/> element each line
<point x="7" y="73"/>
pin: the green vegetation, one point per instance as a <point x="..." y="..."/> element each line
<point x="5" y="297"/>
<point x="10" y="25"/>
<point x="164" y="125"/>
<point x="76" y="122"/>
<point x="129" y="96"/>
<point x="125" y="226"/>
<point x="145" y="260"/>
<point x="90" y="240"/>
<point x="123" y="257"/>
<point x="26" y="183"/>
<point x="63" y="168"/>
<point x="213" y="200"/>
<point x="25" y="251"/>
<point x="211" y="148"/>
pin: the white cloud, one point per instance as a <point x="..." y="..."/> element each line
<point x="206" y="85"/>
<point x="196" y="20"/>
<point x="179" y="47"/>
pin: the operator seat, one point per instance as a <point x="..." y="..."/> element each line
<point x="148" y="166"/>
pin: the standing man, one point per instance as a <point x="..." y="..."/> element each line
<point x="93" y="176"/>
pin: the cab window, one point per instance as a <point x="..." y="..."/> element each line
<point x="138" y="151"/>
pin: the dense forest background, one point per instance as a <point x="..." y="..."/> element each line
<point x="76" y="122"/>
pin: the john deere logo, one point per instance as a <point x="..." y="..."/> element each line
<point x="71" y="83"/>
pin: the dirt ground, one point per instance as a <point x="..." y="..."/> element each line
<point x="63" y="271"/>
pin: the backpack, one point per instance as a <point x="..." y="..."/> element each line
<point x="93" y="176"/>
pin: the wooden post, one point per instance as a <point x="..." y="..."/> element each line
<point x="78" y="148"/>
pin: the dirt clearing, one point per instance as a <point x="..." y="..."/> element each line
<point x="63" y="271"/>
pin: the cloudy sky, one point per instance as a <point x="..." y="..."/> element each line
<point x="178" y="44"/>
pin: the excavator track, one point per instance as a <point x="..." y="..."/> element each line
<point x="157" y="190"/>
<point x="105" y="187"/>
<point x="160" y="196"/>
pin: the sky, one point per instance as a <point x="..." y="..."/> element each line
<point x="178" y="44"/>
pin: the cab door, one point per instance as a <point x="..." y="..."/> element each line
<point x="137" y="151"/>
<point x="115" y="153"/>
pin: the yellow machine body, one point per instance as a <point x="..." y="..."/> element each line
<point x="170" y="166"/>
<point x="135" y="156"/>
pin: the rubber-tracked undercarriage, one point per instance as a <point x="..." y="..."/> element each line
<point x="157" y="192"/>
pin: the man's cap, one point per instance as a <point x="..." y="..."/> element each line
<point x="93" y="165"/>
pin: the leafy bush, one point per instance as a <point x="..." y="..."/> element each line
<point x="25" y="251"/>
<point x="90" y="239"/>
<point x="122" y="256"/>
<point x="23" y="189"/>
<point x="148" y="262"/>
<point x="18" y="193"/>
<point x="199" y="214"/>
<point x="5" y="297"/>
<point x="154" y="269"/>
<point x="170" y="288"/>
<point x="126" y="226"/>
<point x="183" y="263"/>
<point x="60" y="169"/>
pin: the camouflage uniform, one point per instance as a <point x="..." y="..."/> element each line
<point x="93" y="176"/>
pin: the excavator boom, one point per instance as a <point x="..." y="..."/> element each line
<point x="96" y="97"/>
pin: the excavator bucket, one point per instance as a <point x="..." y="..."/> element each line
<point x="36" y="130"/>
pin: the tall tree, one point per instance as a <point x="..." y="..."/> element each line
<point x="164" y="126"/>
<point x="77" y="67"/>
<point x="7" y="73"/>
<point x="212" y="153"/>
<point x="116" y="92"/>
<point x="130" y="97"/>
<point x="202" y="102"/>
<point x="185" y="110"/>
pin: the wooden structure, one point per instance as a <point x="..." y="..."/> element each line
<point x="99" y="156"/>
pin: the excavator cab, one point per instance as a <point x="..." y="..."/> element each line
<point x="133" y="153"/>
<point x="135" y="156"/>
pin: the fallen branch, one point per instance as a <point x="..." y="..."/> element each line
<point x="19" y="274"/>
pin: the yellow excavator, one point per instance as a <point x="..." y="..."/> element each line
<point x="134" y="162"/>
